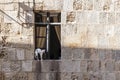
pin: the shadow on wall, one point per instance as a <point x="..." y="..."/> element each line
<point x="47" y="70"/>
<point x="25" y="15"/>
<point x="13" y="68"/>
<point x="90" y="54"/>
<point x="97" y="60"/>
<point x="12" y="57"/>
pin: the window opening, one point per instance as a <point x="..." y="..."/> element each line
<point x="48" y="34"/>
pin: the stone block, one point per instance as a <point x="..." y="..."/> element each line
<point x="81" y="17"/>
<point x="6" y="66"/>
<point x="25" y="17"/>
<point x="15" y="67"/>
<point x="11" y="54"/>
<point x="15" y="29"/>
<point x="87" y="53"/>
<point x="92" y="17"/>
<point x="4" y="53"/>
<point x="109" y="31"/>
<point x="28" y="30"/>
<point x="1" y="17"/>
<point x="39" y="5"/>
<point x="92" y="37"/>
<point x="29" y="54"/>
<point x="2" y="77"/>
<point x="88" y="5"/>
<point x="103" y="18"/>
<point x="98" y="5"/>
<point x="108" y="65"/>
<point x="36" y="66"/>
<point x="96" y="66"/>
<point x="82" y="29"/>
<point x="85" y="76"/>
<point x="68" y="41"/>
<point x="117" y="66"/>
<point x="78" y="54"/>
<point x="98" y="29"/>
<point x="76" y="76"/>
<point x="91" y="54"/>
<point x="22" y="42"/>
<point x="63" y="17"/>
<point x="48" y="5"/>
<point x="111" y="18"/>
<point x="108" y="5"/>
<point x="1" y="60"/>
<point x="68" y="5"/>
<point x="77" y="5"/>
<point x="50" y="66"/>
<point x="95" y="76"/>
<point x="25" y="6"/>
<point x="2" y="6"/>
<point x="11" y="7"/>
<point x="93" y="65"/>
<point x="20" y="76"/>
<point x="117" y="5"/>
<point x="46" y="66"/>
<point x="10" y="17"/>
<point x="5" y="28"/>
<point x="10" y="29"/>
<point x="65" y="76"/>
<point x="27" y="66"/>
<point x="0" y="67"/>
<point x="103" y="42"/>
<point x="69" y="30"/>
<point x="20" y="54"/>
<point x="66" y="54"/>
<point x="70" y="66"/>
<point x="49" y="76"/>
<point x="71" y="17"/>
<point x="116" y="30"/>
<point x="110" y="76"/>
<point x="102" y="54"/>
<point x="58" y="5"/>
<point x="6" y="1"/>
<point x="117" y="55"/>
<point x="26" y="0"/>
<point x="117" y="18"/>
<point x="117" y="75"/>
<point x="34" y="76"/>
<point x="110" y="55"/>
<point x="11" y="68"/>
<point x="83" y="65"/>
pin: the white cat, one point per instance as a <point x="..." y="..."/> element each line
<point x="38" y="52"/>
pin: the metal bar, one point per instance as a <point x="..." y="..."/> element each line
<point x="55" y="23"/>
<point x="48" y="34"/>
<point x="40" y="36"/>
<point x="48" y="23"/>
<point x="41" y="23"/>
<point x="51" y="14"/>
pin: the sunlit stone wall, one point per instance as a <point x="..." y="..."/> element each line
<point x="16" y="39"/>
<point x="90" y="40"/>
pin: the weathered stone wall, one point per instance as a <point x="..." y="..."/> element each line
<point x="90" y="40"/>
<point x="16" y="39"/>
<point x="90" y="31"/>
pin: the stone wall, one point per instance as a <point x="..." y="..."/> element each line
<point x="90" y="31"/>
<point x="16" y="39"/>
<point x="90" y="40"/>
